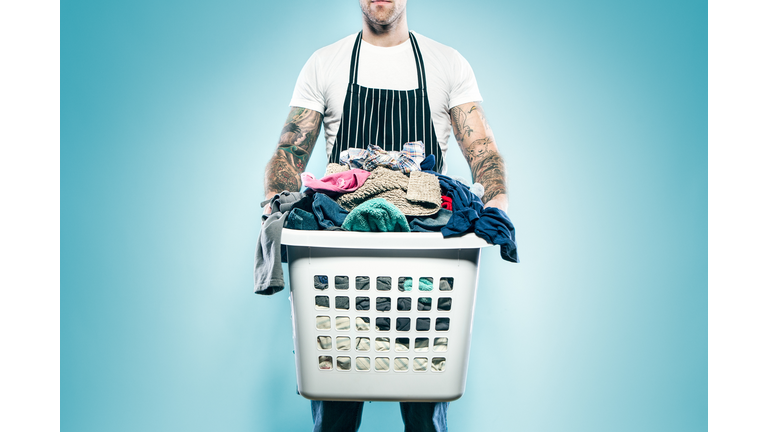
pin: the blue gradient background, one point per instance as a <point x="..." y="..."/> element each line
<point x="170" y="110"/>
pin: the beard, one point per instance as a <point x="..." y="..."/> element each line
<point x="382" y="16"/>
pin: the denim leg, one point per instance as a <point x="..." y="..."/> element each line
<point x="425" y="416"/>
<point x="336" y="416"/>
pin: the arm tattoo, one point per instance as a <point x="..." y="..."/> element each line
<point x="487" y="167"/>
<point x="296" y="143"/>
<point x="460" y="127"/>
<point x="490" y="173"/>
<point x="482" y="155"/>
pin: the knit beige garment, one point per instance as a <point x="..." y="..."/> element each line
<point x="418" y="195"/>
<point x="423" y="188"/>
<point x="333" y="168"/>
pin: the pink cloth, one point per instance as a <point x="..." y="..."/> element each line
<point x="342" y="182"/>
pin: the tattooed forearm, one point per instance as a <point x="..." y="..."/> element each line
<point x="281" y="176"/>
<point x="490" y="173"/>
<point x="487" y="166"/>
<point x="480" y="151"/>
<point x="296" y="143"/>
<point x="460" y="127"/>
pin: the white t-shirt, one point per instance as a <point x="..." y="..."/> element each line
<point x="322" y="83"/>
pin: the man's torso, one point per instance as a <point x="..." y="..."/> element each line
<point x="323" y="83"/>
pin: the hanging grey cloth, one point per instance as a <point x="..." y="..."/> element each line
<point x="267" y="266"/>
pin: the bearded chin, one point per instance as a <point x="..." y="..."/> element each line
<point x="385" y="17"/>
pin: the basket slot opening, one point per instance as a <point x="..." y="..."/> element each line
<point x="383" y="283"/>
<point x="421" y="345"/>
<point x="363" y="363"/>
<point x="363" y="303"/>
<point x="400" y="364"/>
<point x="383" y="304"/>
<point x="362" y="323"/>
<point x="321" y="282"/>
<point x="403" y="324"/>
<point x="343" y="343"/>
<point x="441" y="344"/>
<point x="362" y="282"/>
<point x="424" y="304"/>
<point x="323" y="322"/>
<point x="402" y="344"/>
<point x="382" y="364"/>
<point x="341" y="282"/>
<point x="404" y="283"/>
<point x="425" y="284"/>
<point x="438" y="364"/>
<point x="342" y="323"/>
<point x="404" y="304"/>
<point x="420" y="364"/>
<point x="324" y="343"/>
<point x="363" y="344"/>
<point x="382" y="344"/>
<point x="322" y="302"/>
<point x="446" y="284"/>
<point x="344" y="363"/>
<point x="444" y="303"/>
<point x="325" y="362"/>
<point x="342" y="302"/>
<point x="382" y="323"/>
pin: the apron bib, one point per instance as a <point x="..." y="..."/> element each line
<point x="387" y="118"/>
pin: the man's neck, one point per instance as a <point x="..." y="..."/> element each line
<point x="386" y="36"/>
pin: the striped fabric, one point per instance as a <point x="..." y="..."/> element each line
<point x="386" y="118"/>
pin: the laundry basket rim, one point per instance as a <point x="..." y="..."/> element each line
<point x="380" y="240"/>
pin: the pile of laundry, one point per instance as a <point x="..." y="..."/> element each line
<point x="376" y="190"/>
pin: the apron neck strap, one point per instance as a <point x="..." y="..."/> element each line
<point x="355" y="61"/>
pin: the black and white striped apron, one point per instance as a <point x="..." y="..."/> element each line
<point x="387" y="118"/>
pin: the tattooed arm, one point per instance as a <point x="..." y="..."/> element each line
<point x="290" y="159"/>
<point x="475" y="138"/>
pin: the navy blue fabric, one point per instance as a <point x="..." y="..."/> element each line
<point x="301" y="220"/>
<point x="332" y="416"/>
<point x="428" y="164"/>
<point x="491" y="224"/>
<point x="346" y="416"/>
<point x="306" y="202"/>
<point x="327" y="211"/>
<point x="495" y="227"/>
<point x="432" y="223"/>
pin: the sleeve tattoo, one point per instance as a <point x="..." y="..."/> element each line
<point x="474" y="135"/>
<point x="293" y="150"/>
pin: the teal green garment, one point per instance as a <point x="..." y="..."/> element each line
<point x="376" y="214"/>
<point x="425" y="284"/>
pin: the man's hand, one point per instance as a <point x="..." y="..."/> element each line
<point x="267" y="210"/>
<point x="499" y="201"/>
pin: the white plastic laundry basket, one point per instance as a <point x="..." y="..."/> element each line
<point x="382" y="316"/>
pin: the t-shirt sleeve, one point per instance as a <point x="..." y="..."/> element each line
<point x="308" y="92"/>
<point x="464" y="88"/>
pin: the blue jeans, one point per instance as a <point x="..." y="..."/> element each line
<point x="346" y="416"/>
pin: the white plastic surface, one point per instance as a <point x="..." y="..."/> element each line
<point x="372" y="255"/>
<point x="379" y="240"/>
